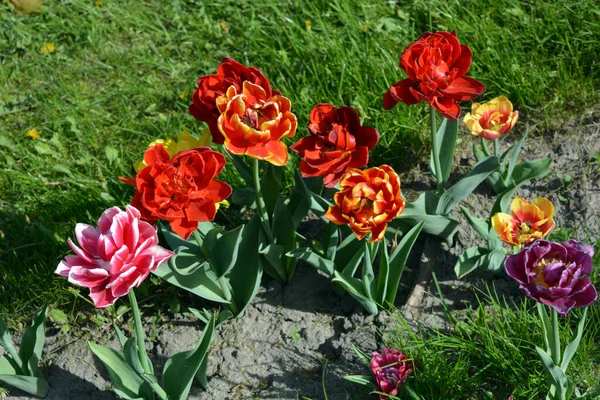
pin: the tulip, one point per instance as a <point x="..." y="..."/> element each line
<point x="555" y="274"/>
<point x="492" y="119"/>
<point x="114" y="257"/>
<point x="367" y="201"/>
<point x="529" y="221"/>
<point x="390" y="369"/>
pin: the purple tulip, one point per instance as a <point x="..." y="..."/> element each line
<point x="554" y="273"/>
<point x="390" y="369"/>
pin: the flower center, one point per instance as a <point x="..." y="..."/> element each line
<point x="539" y="278"/>
<point x="524" y="228"/>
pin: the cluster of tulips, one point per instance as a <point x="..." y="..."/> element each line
<point x="177" y="195"/>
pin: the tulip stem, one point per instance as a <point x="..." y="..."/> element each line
<point x="496" y="150"/>
<point x="227" y="293"/>
<point x="436" y="154"/>
<point x="139" y="332"/>
<point x="556" y="345"/>
<point x="260" y="201"/>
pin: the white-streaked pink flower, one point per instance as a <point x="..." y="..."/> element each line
<point x="114" y="257"/>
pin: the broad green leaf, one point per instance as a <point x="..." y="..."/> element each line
<point x="346" y="251"/>
<point x="202" y="282"/>
<point x="225" y="251"/>
<point x="209" y="241"/>
<point x="503" y="200"/>
<point x="398" y="261"/>
<point x="478" y="153"/>
<point x="356" y="289"/>
<point x="481" y="226"/>
<point x="349" y="269"/>
<point x="318" y="204"/>
<point x="206" y="315"/>
<point x="58" y="316"/>
<point x="247" y="272"/>
<point x="361" y="355"/>
<point x="242" y="168"/>
<point x="468" y="261"/>
<point x="493" y="240"/>
<point x="365" y="380"/>
<point x="466" y="185"/>
<point x="331" y="240"/>
<point x="383" y="274"/>
<point x="186" y="262"/>
<point x="514" y="158"/>
<point x="300" y="200"/>
<point x="8" y="366"/>
<point x="32" y="344"/>
<point x="484" y="147"/>
<point x="307" y="254"/>
<point x="7" y="344"/>
<point x="32" y="385"/>
<point x="494" y="261"/>
<point x="368" y="276"/>
<point x="201" y="374"/>
<point x="284" y="234"/>
<point x="244" y="197"/>
<point x="437" y="225"/>
<point x="174" y="240"/>
<point x="426" y="203"/>
<point x="269" y="186"/>
<point x="555" y="373"/>
<point x="125" y="381"/>
<point x="180" y="370"/>
<point x="446" y="140"/>
<point x="131" y="355"/>
<point x="572" y="347"/>
<point x="275" y="261"/>
<point x="120" y="335"/>
<point x="528" y="170"/>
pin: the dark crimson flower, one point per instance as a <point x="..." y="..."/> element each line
<point x="367" y="201"/>
<point x="211" y="87"/>
<point x="181" y="190"/>
<point x="436" y="65"/>
<point x="390" y="369"/>
<point x="337" y="143"/>
<point x="554" y="274"/>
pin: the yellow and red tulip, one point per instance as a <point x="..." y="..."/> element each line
<point x="529" y="221"/>
<point x="492" y="119"/>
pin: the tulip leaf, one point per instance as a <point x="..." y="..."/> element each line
<point x="8" y="366"/>
<point x="529" y="170"/>
<point x="32" y="344"/>
<point x="242" y="168"/>
<point x="503" y="200"/>
<point x="353" y="264"/>
<point x="224" y="252"/>
<point x="383" y="274"/>
<point x="331" y="240"/>
<point x="126" y="383"/>
<point x="7" y="344"/>
<point x="284" y="234"/>
<point x="130" y="352"/>
<point x="572" y="347"/>
<point x="206" y="315"/>
<point x="269" y="186"/>
<point x="398" y="262"/>
<point x="347" y="250"/>
<point x="481" y="226"/>
<point x="120" y="335"/>
<point x="307" y="254"/>
<point x="446" y="142"/>
<point x="209" y="240"/>
<point x="469" y="261"/>
<point x="173" y="240"/>
<point x="318" y="204"/>
<point x="180" y="370"/>
<point x="514" y="158"/>
<point x="275" y="261"/>
<point x="365" y="380"/>
<point x="246" y="274"/>
<point x="494" y="261"/>
<point x="466" y="185"/>
<point x="185" y="262"/>
<point x="356" y="289"/>
<point x="244" y="197"/>
<point x="554" y="372"/>
<point x="32" y="385"/>
<point x="478" y="153"/>
<point x="202" y="282"/>
<point x="368" y="276"/>
<point x="361" y="355"/>
<point x="300" y="200"/>
<point x="493" y="239"/>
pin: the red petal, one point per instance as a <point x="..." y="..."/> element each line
<point x="464" y="89"/>
<point x="399" y="92"/>
<point x="367" y="136"/>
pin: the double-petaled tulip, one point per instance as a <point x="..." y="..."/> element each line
<point x="253" y="123"/>
<point x="184" y="141"/>
<point x="181" y="190"/>
<point x="492" y="119"/>
<point x="554" y="274"/>
<point x="113" y="257"/>
<point x="390" y="369"/>
<point x="211" y="87"/>
<point x="436" y="65"/>
<point x="337" y="143"/>
<point x="367" y="201"/>
<point x="528" y="222"/>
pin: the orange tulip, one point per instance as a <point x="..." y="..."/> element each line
<point x="254" y="124"/>
<point x="367" y="201"/>
<point x="492" y="119"/>
<point x="528" y="222"/>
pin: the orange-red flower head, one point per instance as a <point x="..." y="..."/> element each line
<point x="181" y="190"/>
<point x="436" y="65"/>
<point x="492" y="119"/>
<point x="337" y="142"/>
<point x="211" y="87"/>
<point x="528" y="222"/>
<point x="367" y="201"/>
<point x="253" y="123"/>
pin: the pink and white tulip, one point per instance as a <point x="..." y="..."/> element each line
<point x="114" y="257"/>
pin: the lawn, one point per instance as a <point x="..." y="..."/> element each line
<point x="101" y="79"/>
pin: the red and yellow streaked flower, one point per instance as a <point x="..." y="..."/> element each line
<point x="185" y="141"/>
<point x="367" y="201"/>
<point x="529" y="221"/>
<point x="253" y="123"/>
<point x="492" y="119"/>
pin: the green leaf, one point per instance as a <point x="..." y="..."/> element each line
<point x="186" y="262"/>
<point x="242" y="168"/>
<point x="6" y="342"/>
<point x="202" y="282"/>
<point x="307" y="254"/>
<point x="466" y="185"/>
<point x="284" y="234"/>
<point x="478" y="153"/>
<point x="365" y="380"/>
<point x="368" y="276"/>
<point x="555" y="373"/>
<point x="58" y="316"/>
<point x="593" y="393"/>
<point x="572" y="347"/>
<point x="300" y="200"/>
<point x="180" y="370"/>
<point x="120" y="335"/>
<point x="331" y="240"/>
<point x="349" y="268"/>
<point x="514" y="158"/>
<point x="529" y="170"/>
<point x="398" y="261"/>
<point x="44" y="149"/>
<point x="356" y="289"/>
<point x="174" y="240"/>
<point x="503" y="200"/>
<point x="275" y="264"/>
<point x="209" y="240"/>
<point x="35" y="386"/>
<point x="481" y="226"/>
<point x="346" y="251"/>
<point x="383" y="274"/>
<point x="362" y="356"/>
<point x="205" y="316"/>
<point x="244" y="197"/>
<point x="269" y="186"/>
<point x="32" y="344"/>
<point x="8" y="366"/>
<point x="112" y="154"/>
<point x="446" y="141"/>
<point x="225" y="251"/>
<point x="468" y="261"/>
<point x="494" y="261"/>
<point x="125" y="381"/>
<point x="318" y="204"/>
<point x="247" y="272"/>
<point x="131" y="355"/>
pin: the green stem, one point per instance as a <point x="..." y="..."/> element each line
<point x="496" y="151"/>
<point x="436" y="154"/>
<point x="556" y="335"/>
<point x="260" y="201"/>
<point x="227" y="293"/>
<point x="159" y="391"/>
<point x="139" y="332"/>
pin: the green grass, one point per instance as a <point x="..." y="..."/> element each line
<point x="114" y="84"/>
